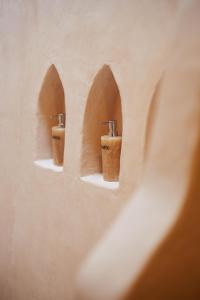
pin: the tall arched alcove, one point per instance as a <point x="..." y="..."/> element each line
<point x="51" y="102"/>
<point x="103" y="103"/>
<point x="151" y="118"/>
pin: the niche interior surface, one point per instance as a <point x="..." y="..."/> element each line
<point x="151" y="118"/>
<point x="103" y="103"/>
<point x="51" y="102"/>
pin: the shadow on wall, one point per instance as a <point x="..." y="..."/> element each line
<point x="51" y="102"/>
<point x="174" y="270"/>
<point x="103" y="103"/>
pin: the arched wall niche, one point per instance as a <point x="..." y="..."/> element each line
<point x="151" y="118"/>
<point x="103" y="103"/>
<point x="51" y="102"/>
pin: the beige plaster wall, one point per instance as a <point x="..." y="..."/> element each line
<point x="49" y="221"/>
<point x="152" y="250"/>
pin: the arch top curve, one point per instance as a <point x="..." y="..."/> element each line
<point x="51" y="101"/>
<point x="52" y="96"/>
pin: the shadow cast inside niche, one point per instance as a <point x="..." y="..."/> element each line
<point x="151" y="116"/>
<point x="51" y="102"/>
<point x="103" y="103"/>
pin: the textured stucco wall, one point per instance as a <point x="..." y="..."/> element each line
<point x="49" y="221"/>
